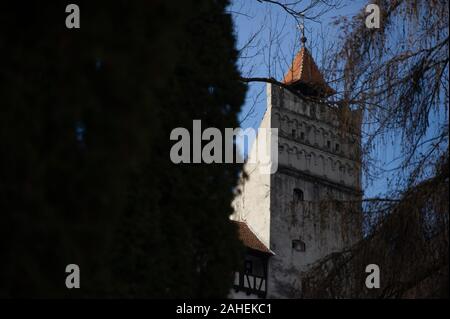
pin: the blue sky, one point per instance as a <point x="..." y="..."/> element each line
<point x="249" y="18"/>
<point x="268" y="23"/>
<point x="250" y="15"/>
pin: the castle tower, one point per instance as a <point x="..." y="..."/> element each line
<point x="310" y="207"/>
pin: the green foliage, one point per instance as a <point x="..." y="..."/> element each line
<point x="107" y="197"/>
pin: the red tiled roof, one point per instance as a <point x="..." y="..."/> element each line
<point x="249" y="239"/>
<point x="304" y="70"/>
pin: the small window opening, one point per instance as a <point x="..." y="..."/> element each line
<point x="298" y="195"/>
<point x="298" y="245"/>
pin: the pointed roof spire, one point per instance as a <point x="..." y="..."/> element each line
<point x="305" y="74"/>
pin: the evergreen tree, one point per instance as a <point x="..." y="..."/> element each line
<point x="85" y="173"/>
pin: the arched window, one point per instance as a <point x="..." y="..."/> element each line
<point x="298" y="195"/>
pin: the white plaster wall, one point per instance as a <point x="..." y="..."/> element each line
<point x="266" y="201"/>
<point x="252" y="203"/>
<point x="323" y="229"/>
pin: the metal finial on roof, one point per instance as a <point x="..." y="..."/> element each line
<point x="301" y="26"/>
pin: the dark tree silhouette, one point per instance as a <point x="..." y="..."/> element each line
<point x="85" y="173"/>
